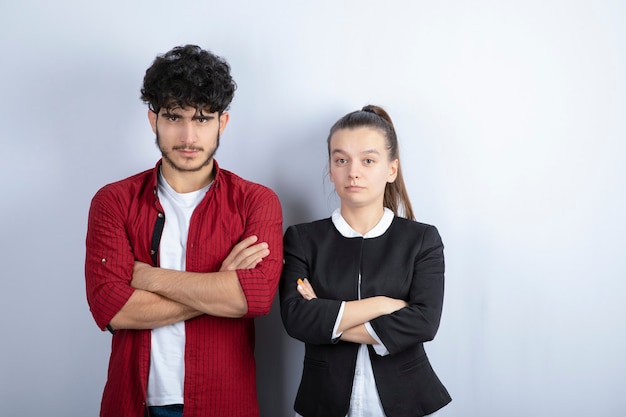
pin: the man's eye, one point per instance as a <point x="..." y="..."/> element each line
<point x="172" y="118"/>
<point x="202" y="119"/>
<point x="369" y="161"/>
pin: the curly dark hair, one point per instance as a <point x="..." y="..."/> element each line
<point x="188" y="76"/>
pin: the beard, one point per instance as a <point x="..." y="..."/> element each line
<point x="166" y="154"/>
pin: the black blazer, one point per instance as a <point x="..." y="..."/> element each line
<point x="406" y="262"/>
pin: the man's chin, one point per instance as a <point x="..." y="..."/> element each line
<point x="187" y="166"/>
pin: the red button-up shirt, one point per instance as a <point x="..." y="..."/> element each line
<point x="220" y="375"/>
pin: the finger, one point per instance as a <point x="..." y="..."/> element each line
<point x="246" y="242"/>
<point x="305" y="289"/>
<point x="303" y="292"/>
<point x="240" y="252"/>
<point x="305" y="284"/>
<point x="250" y="259"/>
<point x="250" y="264"/>
<point x="302" y="286"/>
<point x="252" y="251"/>
<point x="257" y="249"/>
<point x="239" y="247"/>
<point x="308" y="286"/>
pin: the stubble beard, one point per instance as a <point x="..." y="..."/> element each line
<point x="170" y="162"/>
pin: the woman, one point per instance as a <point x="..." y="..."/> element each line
<point x="364" y="289"/>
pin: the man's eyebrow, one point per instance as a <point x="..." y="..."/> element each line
<point x="200" y="115"/>
<point x="170" y="112"/>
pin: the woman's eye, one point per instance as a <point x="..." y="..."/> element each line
<point x="369" y="161"/>
<point x="340" y="161"/>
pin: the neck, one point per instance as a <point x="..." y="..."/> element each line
<point x="187" y="181"/>
<point x="362" y="219"/>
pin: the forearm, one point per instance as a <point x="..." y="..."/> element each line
<point x="361" y="311"/>
<point x="217" y="293"/>
<point x="145" y="310"/>
<point x="358" y="334"/>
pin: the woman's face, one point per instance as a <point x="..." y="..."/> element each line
<point x="360" y="167"/>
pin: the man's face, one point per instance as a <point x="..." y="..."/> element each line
<point x="188" y="138"/>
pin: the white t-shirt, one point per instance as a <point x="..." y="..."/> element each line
<point x="167" y="355"/>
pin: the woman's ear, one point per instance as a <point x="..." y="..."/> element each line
<point x="393" y="170"/>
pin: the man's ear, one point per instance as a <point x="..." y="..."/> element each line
<point x="152" y="117"/>
<point x="224" y="118"/>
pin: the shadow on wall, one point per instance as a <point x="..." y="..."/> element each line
<point x="279" y="358"/>
<point x="279" y="365"/>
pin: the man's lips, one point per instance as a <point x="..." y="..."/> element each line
<point x="187" y="151"/>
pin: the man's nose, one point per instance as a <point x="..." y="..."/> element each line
<point x="187" y="134"/>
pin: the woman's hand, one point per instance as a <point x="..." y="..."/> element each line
<point x="305" y="289"/>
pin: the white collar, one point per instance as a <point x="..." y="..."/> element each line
<point x="344" y="228"/>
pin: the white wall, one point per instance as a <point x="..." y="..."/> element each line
<point x="511" y="121"/>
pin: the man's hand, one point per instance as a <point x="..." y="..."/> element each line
<point x="141" y="276"/>
<point x="245" y="255"/>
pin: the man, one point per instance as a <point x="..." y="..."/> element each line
<point x="182" y="257"/>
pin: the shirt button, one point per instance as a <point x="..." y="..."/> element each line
<point x="103" y="260"/>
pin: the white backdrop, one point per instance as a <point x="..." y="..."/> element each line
<point x="511" y="121"/>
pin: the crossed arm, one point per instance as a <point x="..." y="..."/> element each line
<point x="356" y="313"/>
<point x="165" y="296"/>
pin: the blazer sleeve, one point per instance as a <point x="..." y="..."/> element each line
<point x="310" y="321"/>
<point x="418" y="322"/>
